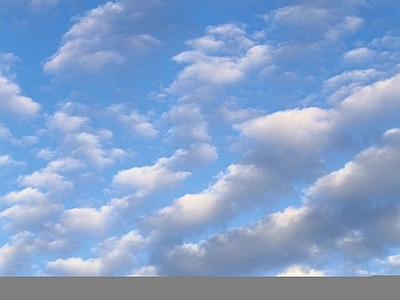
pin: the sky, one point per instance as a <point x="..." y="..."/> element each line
<point x="199" y="138"/>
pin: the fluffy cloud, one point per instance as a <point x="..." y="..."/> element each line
<point x="12" y="100"/>
<point x="149" y="179"/>
<point x="349" y="213"/>
<point x="359" y="55"/>
<point x="62" y="121"/>
<point x="224" y="56"/>
<point x="381" y="98"/>
<point x="7" y="160"/>
<point x="5" y="134"/>
<point x="50" y="177"/>
<point x="29" y="209"/>
<point x="198" y="155"/>
<point x="300" y="270"/>
<point x="370" y="176"/>
<point x="12" y="254"/>
<point x="86" y="220"/>
<point x="136" y="122"/>
<point x="103" y="37"/>
<point x="240" y="189"/>
<point x="302" y="131"/>
<point x="115" y="255"/>
<point x="43" y="5"/>
<point x="308" y="23"/>
<point x="283" y="238"/>
<point x="190" y="125"/>
<point x="80" y="140"/>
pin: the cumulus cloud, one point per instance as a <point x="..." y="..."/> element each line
<point x="365" y="189"/>
<point x="300" y="270"/>
<point x="351" y="212"/>
<point x="309" y="23"/>
<point x="283" y="238"/>
<point x="301" y="131"/>
<point x="379" y="102"/>
<point x="5" y="134"/>
<point x="312" y="182"/>
<point x="241" y="188"/>
<point x="224" y="56"/>
<point x="43" y="5"/>
<point x="29" y="209"/>
<point x="394" y="260"/>
<point x="136" y="122"/>
<point x="50" y="177"/>
<point x="371" y="175"/>
<point x="197" y="155"/>
<point x="115" y="255"/>
<point x="86" y="220"/>
<point x="11" y="98"/>
<point x="149" y="179"/>
<point x="77" y="138"/>
<point x="339" y="87"/>
<point x="64" y="122"/>
<point x="190" y="125"/>
<point x="103" y="37"/>
<point x="7" y="160"/>
<point x="360" y="55"/>
<point x="12" y="254"/>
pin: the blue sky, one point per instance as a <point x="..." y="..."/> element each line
<point x="199" y="138"/>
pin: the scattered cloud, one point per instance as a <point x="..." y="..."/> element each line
<point x="300" y="270"/>
<point x="102" y="39"/>
<point x="254" y="148"/>
<point x="12" y="101"/>
<point x="115" y="255"/>
<point x="149" y="179"/>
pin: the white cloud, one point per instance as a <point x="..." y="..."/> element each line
<point x="307" y="23"/>
<point x="389" y="41"/>
<point x="45" y="179"/>
<point x="145" y="271"/>
<point x="224" y="56"/>
<point x="191" y="127"/>
<point x="371" y="175"/>
<point x="75" y="266"/>
<point x="80" y="140"/>
<point x="350" y="213"/>
<point x="103" y="37"/>
<point x="50" y="177"/>
<point x="361" y="55"/>
<point x="348" y="25"/>
<point x="7" y="160"/>
<point x="341" y="86"/>
<point x="6" y="134"/>
<point x="284" y="238"/>
<point x="86" y="220"/>
<point x="379" y="102"/>
<point x="394" y="260"/>
<point x="88" y="146"/>
<point x="29" y="209"/>
<point x="149" y="179"/>
<point x="364" y="195"/>
<point x="303" y="131"/>
<point x="12" y="101"/>
<point x="136" y="122"/>
<point x="300" y="270"/>
<point x="241" y="188"/>
<point x="40" y="5"/>
<point x="116" y="255"/>
<point x="63" y="122"/>
<point x="12" y="254"/>
<point x="197" y="155"/>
